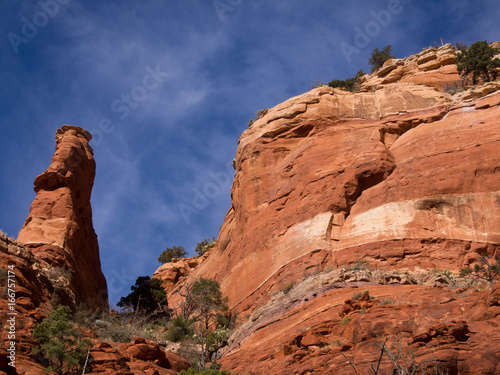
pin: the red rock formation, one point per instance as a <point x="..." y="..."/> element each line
<point x="59" y="262"/>
<point x="452" y="330"/>
<point x="433" y="66"/>
<point x="138" y="357"/>
<point x="403" y="175"/>
<point x="368" y="175"/>
<point x="31" y="288"/>
<point x="59" y="228"/>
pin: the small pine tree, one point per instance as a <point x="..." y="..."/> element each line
<point x="172" y="252"/>
<point x="59" y="342"/>
<point x="378" y="58"/>
<point x="479" y="62"/>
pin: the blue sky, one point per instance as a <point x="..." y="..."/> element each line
<point x="164" y="144"/>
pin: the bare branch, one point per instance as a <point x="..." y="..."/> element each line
<point x="352" y="364"/>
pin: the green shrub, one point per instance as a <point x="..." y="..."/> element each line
<point x="345" y="320"/>
<point x="59" y="342"/>
<point x="486" y="270"/>
<point x="180" y="329"/>
<point x="217" y="339"/>
<point x="172" y="252"/>
<point x="205" y="245"/>
<point x="378" y="58"/>
<point x="349" y="84"/>
<point x="147" y="295"/>
<point x="449" y="275"/>
<point x="479" y="62"/>
<point x="357" y="296"/>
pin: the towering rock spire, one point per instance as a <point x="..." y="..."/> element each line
<point x="59" y="229"/>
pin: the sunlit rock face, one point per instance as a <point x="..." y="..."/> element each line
<point x="59" y="229"/>
<point x="338" y="192"/>
<point x="403" y="176"/>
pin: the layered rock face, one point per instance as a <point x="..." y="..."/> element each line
<point x="32" y="289"/>
<point x="59" y="229"/>
<point x="433" y="66"/>
<point x="401" y="175"/>
<point x="367" y="176"/>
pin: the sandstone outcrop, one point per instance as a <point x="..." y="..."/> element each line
<point x="140" y="356"/>
<point x="59" y="229"/>
<point x="434" y="66"/>
<point x="177" y="270"/>
<point x="402" y="175"/>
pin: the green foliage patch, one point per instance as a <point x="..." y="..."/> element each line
<point x="148" y="295"/>
<point x="172" y="252"/>
<point x="479" y="62"/>
<point x="60" y="343"/>
<point x="349" y="84"/>
<point x="379" y="57"/>
<point x="486" y="270"/>
<point x="203" y="246"/>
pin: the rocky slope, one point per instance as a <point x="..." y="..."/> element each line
<point x="401" y="175"/>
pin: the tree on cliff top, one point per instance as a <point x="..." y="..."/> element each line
<point x="348" y="84"/>
<point x="378" y="57"/>
<point x="479" y="61"/>
<point x="172" y="252"/>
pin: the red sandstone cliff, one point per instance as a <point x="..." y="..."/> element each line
<point x="403" y="175"/>
<point x="59" y="229"/>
